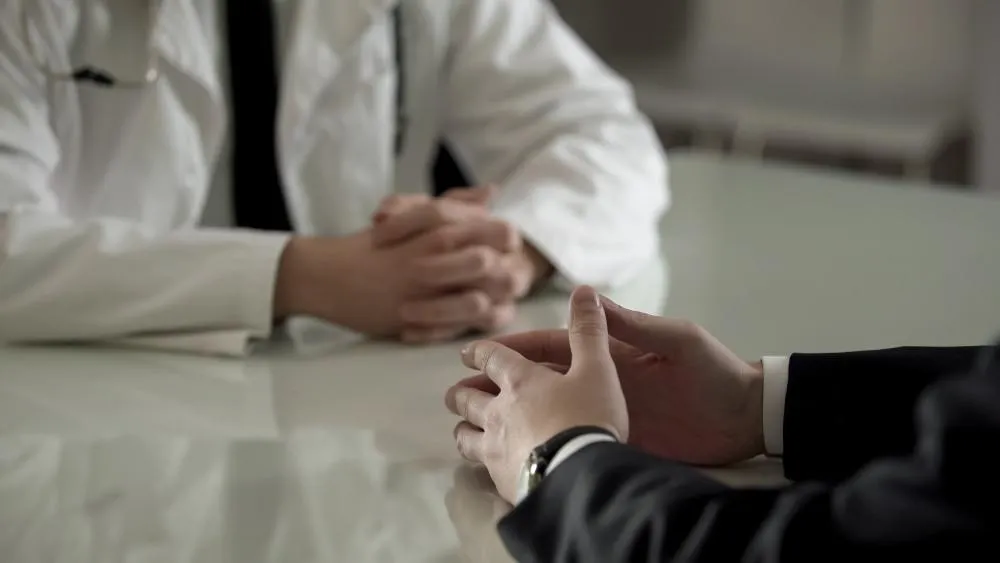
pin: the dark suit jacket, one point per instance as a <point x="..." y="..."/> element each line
<point x="894" y="453"/>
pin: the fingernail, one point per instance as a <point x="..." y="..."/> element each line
<point x="467" y="352"/>
<point x="586" y="297"/>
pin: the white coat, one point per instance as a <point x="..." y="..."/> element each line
<point x="102" y="190"/>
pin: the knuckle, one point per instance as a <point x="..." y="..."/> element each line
<point x="462" y="442"/>
<point x="588" y="327"/>
<point x="485" y="357"/>
<point x="392" y="200"/>
<point x="439" y="211"/>
<point x="499" y="317"/>
<point x="515" y="381"/>
<point x="482" y="259"/>
<point x="509" y="235"/>
<point x="492" y="422"/>
<point x="642" y="320"/>
<point x="691" y="330"/>
<point x="462" y="403"/>
<point x="478" y="302"/>
<point x="443" y="240"/>
<point x="506" y="284"/>
<point x="491" y="362"/>
<point x="493" y="320"/>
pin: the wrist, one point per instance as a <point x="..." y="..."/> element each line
<point x="305" y="284"/>
<point x="330" y="278"/>
<point x="290" y="286"/>
<point x="754" y="381"/>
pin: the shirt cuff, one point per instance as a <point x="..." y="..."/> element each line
<point x="575" y="445"/>
<point x="775" y="387"/>
<point x="260" y="266"/>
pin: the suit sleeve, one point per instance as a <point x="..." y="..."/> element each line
<point x="533" y="110"/>
<point x="843" y="410"/>
<point x="66" y="278"/>
<point x="611" y="503"/>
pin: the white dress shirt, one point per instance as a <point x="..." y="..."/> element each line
<point x="775" y="386"/>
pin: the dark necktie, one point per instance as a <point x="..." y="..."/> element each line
<point x="258" y="201"/>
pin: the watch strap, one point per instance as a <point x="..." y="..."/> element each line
<point x="539" y="459"/>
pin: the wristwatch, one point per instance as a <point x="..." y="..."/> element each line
<point x="537" y="464"/>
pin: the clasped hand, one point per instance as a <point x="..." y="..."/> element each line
<point x="460" y="268"/>
<point x="427" y="270"/>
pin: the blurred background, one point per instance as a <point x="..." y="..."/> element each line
<point x="887" y="87"/>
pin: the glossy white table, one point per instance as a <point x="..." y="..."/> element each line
<point x="346" y="455"/>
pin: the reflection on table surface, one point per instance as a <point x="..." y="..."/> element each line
<point x="346" y="454"/>
<point x="332" y="495"/>
<point x="337" y="455"/>
<point x="349" y="495"/>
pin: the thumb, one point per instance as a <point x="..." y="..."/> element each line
<point x="588" y="328"/>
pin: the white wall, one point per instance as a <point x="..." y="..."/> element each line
<point x="906" y="59"/>
<point x="901" y="44"/>
<point x="988" y="94"/>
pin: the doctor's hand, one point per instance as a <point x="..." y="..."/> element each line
<point x="395" y="204"/>
<point x="516" y="404"/>
<point x="350" y="282"/>
<point x="479" y="252"/>
<point x="689" y="397"/>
